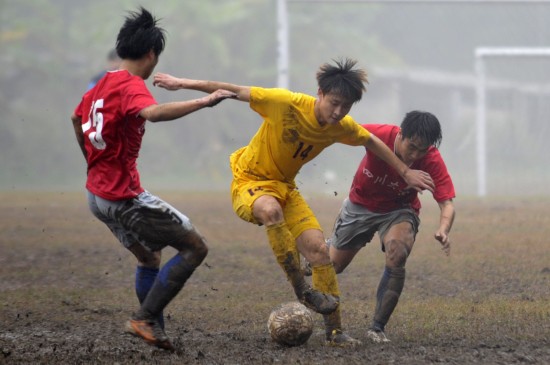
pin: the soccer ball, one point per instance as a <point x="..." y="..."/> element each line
<point x="290" y="324"/>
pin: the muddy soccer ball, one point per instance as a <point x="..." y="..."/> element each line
<point x="290" y="324"/>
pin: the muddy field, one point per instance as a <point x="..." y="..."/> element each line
<point x="66" y="289"/>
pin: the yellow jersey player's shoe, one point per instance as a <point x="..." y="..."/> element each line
<point x="338" y="338"/>
<point x="319" y="302"/>
<point x="150" y="331"/>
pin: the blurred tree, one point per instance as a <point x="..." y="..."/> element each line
<point x="51" y="48"/>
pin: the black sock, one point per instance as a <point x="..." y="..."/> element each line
<point x="167" y="285"/>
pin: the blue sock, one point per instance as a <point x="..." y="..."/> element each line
<point x="145" y="277"/>
<point x="387" y="296"/>
<point x="382" y="287"/>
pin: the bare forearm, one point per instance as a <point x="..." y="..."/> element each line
<point x="447" y="216"/>
<point x="170" y="82"/>
<point x="382" y="151"/>
<point x="446" y="220"/>
<point x="178" y="109"/>
<point x="416" y="179"/>
<point x="171" y="111"/>
<point x="208" y="86"/>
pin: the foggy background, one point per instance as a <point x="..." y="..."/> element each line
<point x="419" y="55"/>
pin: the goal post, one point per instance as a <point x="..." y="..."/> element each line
<point x="481" y="54"/>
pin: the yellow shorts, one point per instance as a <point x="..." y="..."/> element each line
<point x="298" y="215"/>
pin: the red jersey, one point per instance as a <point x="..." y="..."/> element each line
<point x="113" y="131"/>
<point x="379" y="187"/>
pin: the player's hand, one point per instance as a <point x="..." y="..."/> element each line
<point x="168" y="82"/>
<point x="419" y="180"/>
<point x="443" y="238"/>
<point x="219" y="95"/>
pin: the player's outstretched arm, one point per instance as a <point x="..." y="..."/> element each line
<point x="170" y="82"/>
<point x="446" y="219"/>
<point x="178" y="109"/>
<point x="416" y="179"/>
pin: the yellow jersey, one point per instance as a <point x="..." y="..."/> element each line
<point x="289" y="137"/>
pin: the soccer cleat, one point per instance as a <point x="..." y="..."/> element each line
<point x="340" y="339"/>
<point x="377" y="336"/>
<point x="319" y="302"/>
<point x="150" y="331"/>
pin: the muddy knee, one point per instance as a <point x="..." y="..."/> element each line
<point x="396" y="253"/>
<point x="195" y="248"/>
<point x="268" y="211"/>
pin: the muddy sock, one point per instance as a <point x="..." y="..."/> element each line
<point x="323" y="278"/>
<point x="387" y="295"/>
<point x="284" y="247"/>
<point x="333" y="322"/>
<point x="145" y="277"/>
<point x="168" y="283"/>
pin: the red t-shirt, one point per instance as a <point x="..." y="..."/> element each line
<point x="380" y="189"/>
<point x="113" y="131"/>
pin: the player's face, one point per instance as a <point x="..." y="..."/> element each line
<point x="410" y="149"/>
<point x="331" y="108"/>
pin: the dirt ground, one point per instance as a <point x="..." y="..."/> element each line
<point x="66" y="289"/>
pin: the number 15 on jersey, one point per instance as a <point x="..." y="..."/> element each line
<point x="94" y="124"/>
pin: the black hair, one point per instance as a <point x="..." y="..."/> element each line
<point x="139" y="35"/>
<point x="423" y="125"/>
<point x="342" y="79"/>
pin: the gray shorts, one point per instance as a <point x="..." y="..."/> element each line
<point x="146" y="219"/>
<point x="356" y="225"/>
